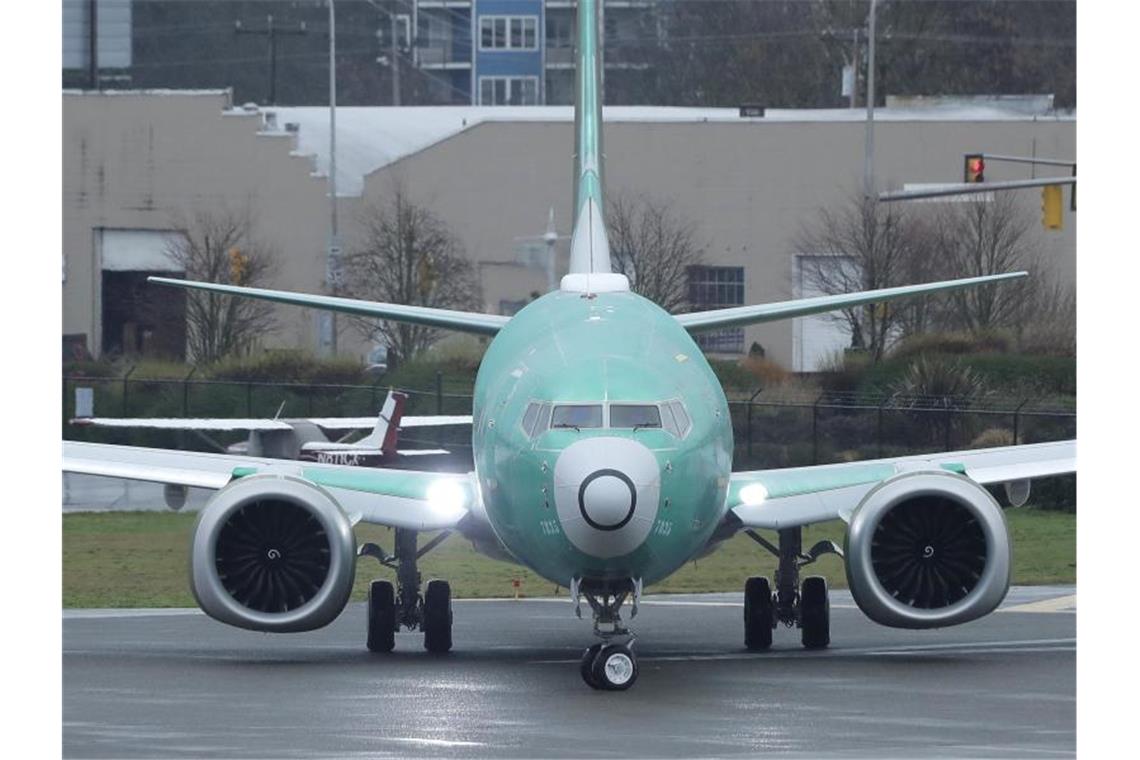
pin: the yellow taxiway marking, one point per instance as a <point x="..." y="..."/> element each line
<point x="1056" y="604"/>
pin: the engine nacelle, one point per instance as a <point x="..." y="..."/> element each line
<point x="927" y="549"/>
<point x="272" y="553"/>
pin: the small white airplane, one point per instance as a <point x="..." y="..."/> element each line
<point x="303" y="438"/>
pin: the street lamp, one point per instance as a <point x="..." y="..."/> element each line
<point x="332" y="260"/>
<point x="869" y="132"/>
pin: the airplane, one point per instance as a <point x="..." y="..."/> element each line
<point x="302" y="438"/>
<point x="602" y="461"/>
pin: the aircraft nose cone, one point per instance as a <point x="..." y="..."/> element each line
<point x="607" y="499"/>
<point x="606" y="492"/>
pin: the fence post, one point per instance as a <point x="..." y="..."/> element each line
<point x="439" y="405"/>
<point x="126" y="380"/>
<point x="186" y="391"/>
<point x="949" y="415"/>
<point x="882" y="403"/>
<point x="1017" y="419"/>
<point x="815" y="431"/>
<point x="750" y="400"/>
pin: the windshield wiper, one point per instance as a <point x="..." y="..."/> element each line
<point x="568" y="425"/>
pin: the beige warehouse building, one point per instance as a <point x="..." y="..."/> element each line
<point x="136" y="162"/>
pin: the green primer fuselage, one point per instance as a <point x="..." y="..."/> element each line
<point x="568" y="347"/>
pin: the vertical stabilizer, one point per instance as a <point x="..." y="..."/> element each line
<point x="589" y="246"/>
<point x="383" y="436"/>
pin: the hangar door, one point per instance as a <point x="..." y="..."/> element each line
<point x="139" y="319"/>
<point x="817" y="338"/>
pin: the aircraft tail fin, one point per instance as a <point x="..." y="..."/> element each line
<point x="589" y="245"/>
<point x="384" y="434"/>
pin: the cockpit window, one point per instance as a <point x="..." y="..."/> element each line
<point x="577" y="416"/>
<point x="681" y="417"/>
<point x="529" y="417"/>
<point x="635" y="416"/>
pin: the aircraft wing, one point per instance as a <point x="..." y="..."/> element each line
<point x="397" y="498"/>
<point x="178" y="423"/>
<point x="355" y="423"/>
<point x="734" y="316"/>
<point x="802" y="495"/>
<point x="464" y="321"/>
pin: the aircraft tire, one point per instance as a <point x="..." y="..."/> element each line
<point x="615" y="668"/>
<point x="381" y="617"/>
<point x="758" y="614"/>
<point x="437" y="617"/>
<point x="815" y="613"/>
<point x="587" y="666"/>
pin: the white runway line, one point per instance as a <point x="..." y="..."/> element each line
<point x="1057" y="604"/>
<point x="980" y="647"/>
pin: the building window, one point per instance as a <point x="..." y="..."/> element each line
<point x="718" y="288"/>
<point x="508" y="91"/>
<point x="508" y="32"/>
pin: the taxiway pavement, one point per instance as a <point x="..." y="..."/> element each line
<point x="173" y="683"/>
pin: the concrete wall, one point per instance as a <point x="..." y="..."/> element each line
<point x="141" y="161"/>
<point x="749" y="186"/>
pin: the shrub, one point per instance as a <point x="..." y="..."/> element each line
<point x="290" y="366"/>
<point x="767" y="372"/>
<point x="992" y="437"/>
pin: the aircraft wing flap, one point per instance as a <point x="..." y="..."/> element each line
<point x="398" y="498"/>
<point x="789" y="497"/>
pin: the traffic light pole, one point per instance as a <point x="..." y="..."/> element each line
<point x="969" y="188"/>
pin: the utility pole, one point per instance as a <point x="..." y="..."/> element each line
<point x="271" y="32"/>
<point x="869" y="133"/>
<point x="332" y="262"/>
<point x="854" y="66"/>
<point x="93" y="43"/>
<point x="395" y="57"/>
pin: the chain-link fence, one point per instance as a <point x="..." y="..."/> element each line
<point x="771" y="430"/>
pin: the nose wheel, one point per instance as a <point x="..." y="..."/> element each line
<point x="609" y="667"/>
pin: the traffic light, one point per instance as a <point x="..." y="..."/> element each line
<point x="1051" y="207"/>
<point x="975" y="169"/>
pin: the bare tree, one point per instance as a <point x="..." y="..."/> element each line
<point x="652" y="245"/>
<point x="864" y="245"/>
<point x="407" y="255"/>
<point x="219" y="245"/>
<point x="981" y="237"/>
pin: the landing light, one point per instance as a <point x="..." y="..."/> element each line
<point x="753" y="494"/>
<point x="446" y="497"/>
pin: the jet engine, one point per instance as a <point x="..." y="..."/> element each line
<point x="272" y="553"/>
<point x="927" y="549"/>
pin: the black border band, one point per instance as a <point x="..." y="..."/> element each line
<point x="632" y="498"/>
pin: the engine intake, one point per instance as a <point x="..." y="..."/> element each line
<point x="272" y="553"/>
<point x="928" y="549"/>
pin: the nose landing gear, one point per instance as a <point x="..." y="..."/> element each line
<point x="609" y="665"/>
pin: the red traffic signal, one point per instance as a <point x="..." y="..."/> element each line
<point x="975" y="169"/>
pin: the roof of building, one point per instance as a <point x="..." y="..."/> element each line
<point x="369" y="138"/>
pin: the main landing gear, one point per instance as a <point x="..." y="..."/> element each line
<point x="390" y="606"/>
<point x="610" y="665"/>
<point x="804" y="605"/>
